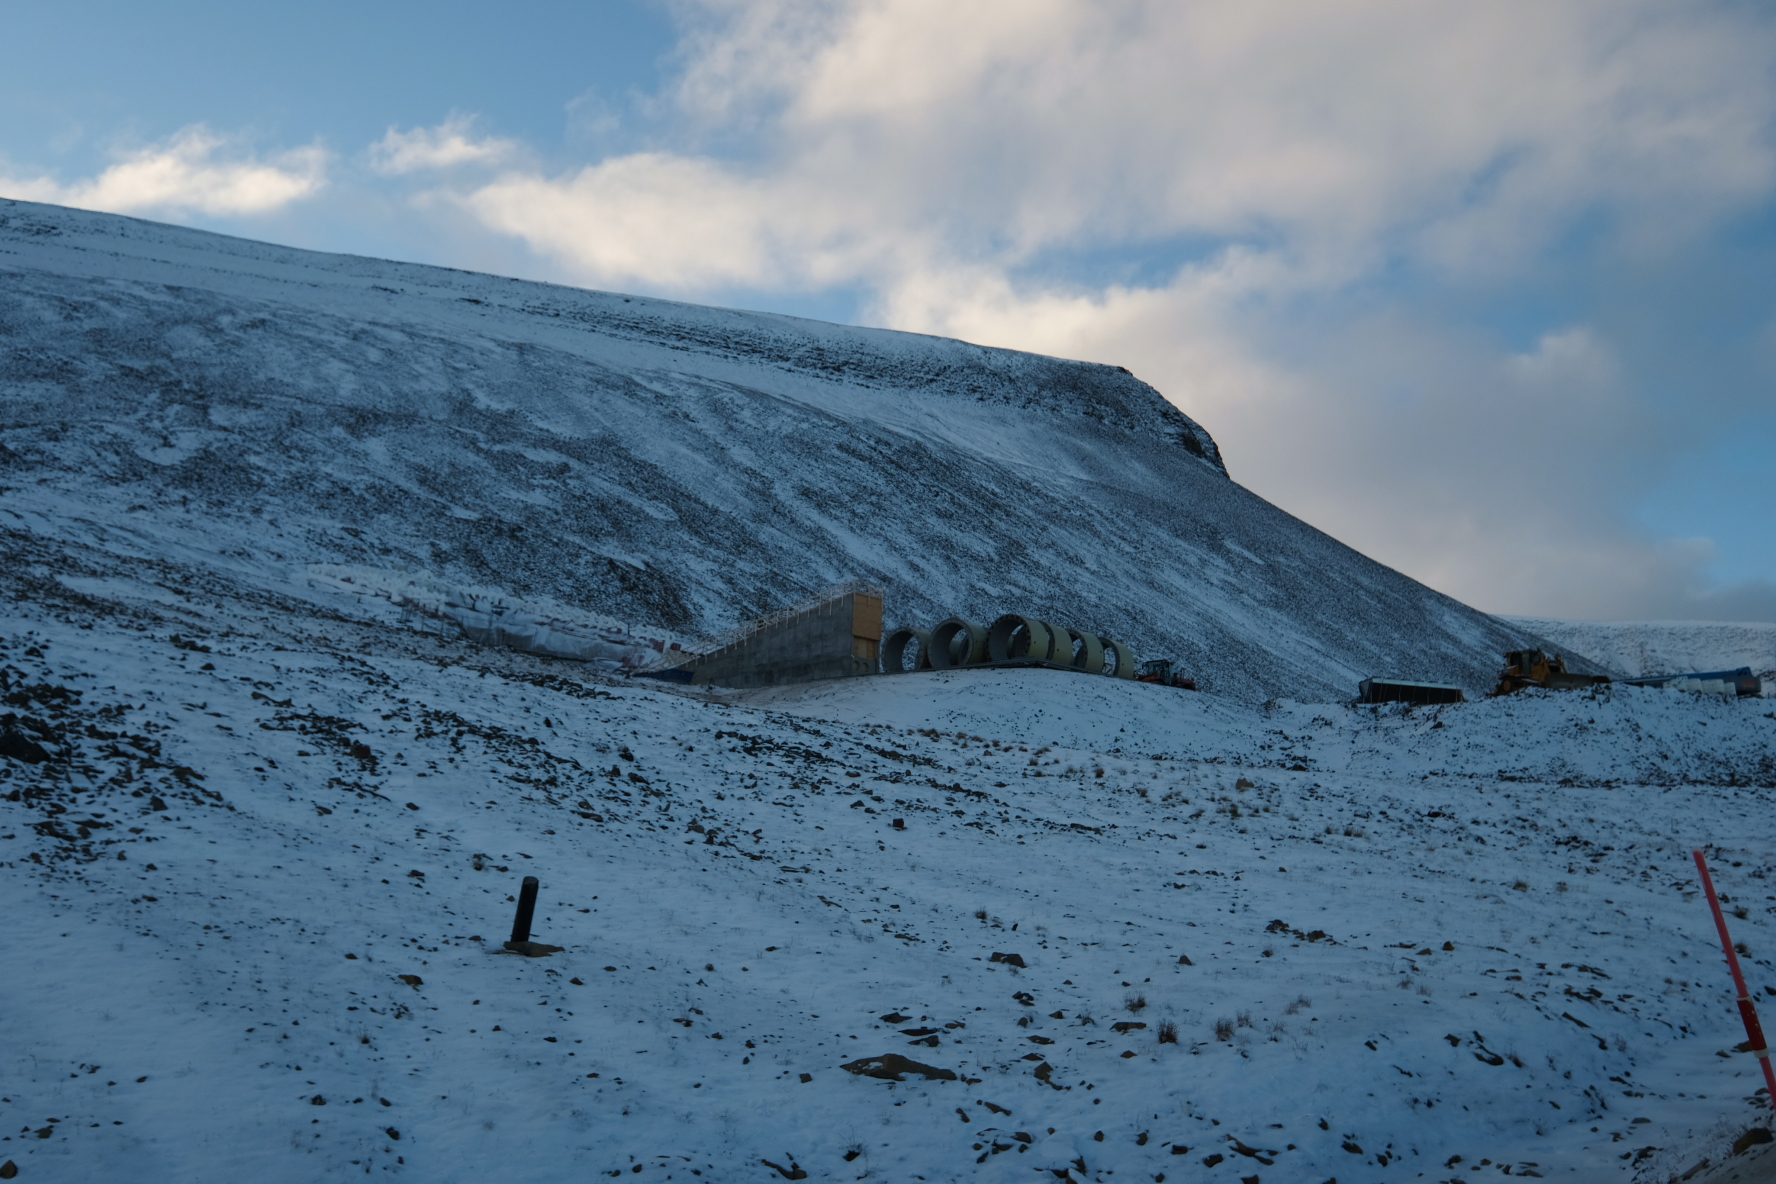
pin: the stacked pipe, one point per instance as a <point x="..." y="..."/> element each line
<point x="958" y="643"/>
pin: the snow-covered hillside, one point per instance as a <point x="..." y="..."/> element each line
<point x="258" y="846"/>
<point x="1637" y="648"/>
<point x="260" y="834"/>
<point x="674" y="466"/>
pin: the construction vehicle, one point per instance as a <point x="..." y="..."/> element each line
<point x="1159" y="670"/>
<point x="1533" y="668"/>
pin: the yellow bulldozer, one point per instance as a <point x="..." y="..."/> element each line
<point x="1533" y="668"/>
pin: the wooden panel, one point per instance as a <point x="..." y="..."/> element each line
<point x="866" y="617"/>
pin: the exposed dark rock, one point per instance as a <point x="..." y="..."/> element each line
<point x="893" y="1067"/>
<point x="20" y="747"/>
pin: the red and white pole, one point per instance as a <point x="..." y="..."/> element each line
<point x="1754" y="1032"/>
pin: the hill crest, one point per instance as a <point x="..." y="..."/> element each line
<point x="681" y="466"/>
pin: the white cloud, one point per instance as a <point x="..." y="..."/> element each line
<point x="187" y="173"/>
<point x="449" y="145"/>
<point x="1499" y="477"/>
<point x="656" y="219"/>
<point x="1461" y="135"/>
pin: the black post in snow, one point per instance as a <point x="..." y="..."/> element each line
<point x="521" y="943"/>
<point x="527" y="903"/>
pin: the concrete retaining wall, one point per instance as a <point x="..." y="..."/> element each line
<point x="839" y="638"/>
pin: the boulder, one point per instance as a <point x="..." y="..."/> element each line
<point x="894" y="1067"/>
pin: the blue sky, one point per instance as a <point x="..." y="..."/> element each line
<point x="80" y="74"/>
<point x="1485" y="291"/>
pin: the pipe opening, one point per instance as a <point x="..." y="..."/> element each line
<point x="906" y="649"/>
<point x="957" y="642"/>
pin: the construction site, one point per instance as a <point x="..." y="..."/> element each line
<point x="840" y="633"/>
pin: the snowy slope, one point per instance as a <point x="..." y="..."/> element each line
<point x="670" y="465"/>
<point x="259" y="834"/>
<point x="1635" y="648"/>
<point x="1386" y="938"/>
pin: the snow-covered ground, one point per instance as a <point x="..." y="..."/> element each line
<point x="1638" y="648"/>
<point x="260" y="832"/>
<point x="254" y="898"/>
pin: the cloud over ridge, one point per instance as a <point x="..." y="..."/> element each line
<point x="1451" y="132"/>
<point x="189" y="172"/>
<point x="952" y="165"/>
<point x="1493" y="255"/>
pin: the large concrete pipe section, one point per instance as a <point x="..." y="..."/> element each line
<point x="1124" y="658"/>
<point x="1012" y="636"/>
<point x="957" y="643"/>
<point x="894" y="650"/>
<point x="1084" y="651"/>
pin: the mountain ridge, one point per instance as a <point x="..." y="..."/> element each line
<point x="667" y="463"/>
